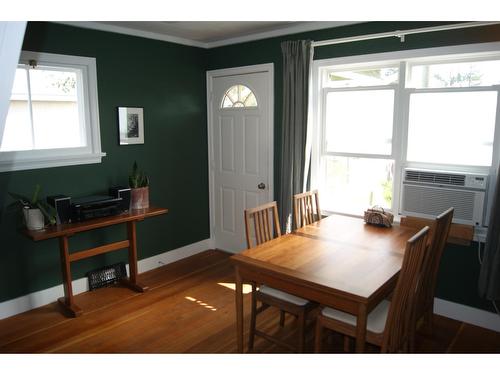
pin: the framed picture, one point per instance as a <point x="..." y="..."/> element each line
<point x="131" y="125"/>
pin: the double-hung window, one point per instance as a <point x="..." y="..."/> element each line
<point x="356" y="161"/>
<point x="53" y="113"/>
<point x="376" y="115"/>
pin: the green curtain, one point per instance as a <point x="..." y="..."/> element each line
<point x="489" y="278"/>
<point x="297" y="56"/>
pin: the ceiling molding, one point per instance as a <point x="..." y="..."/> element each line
<point x="134" y="32"/>
<point x="294" y="29"/>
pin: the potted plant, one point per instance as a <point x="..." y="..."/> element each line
<point x="139" y="189"/>
<point x="35" y="210"/>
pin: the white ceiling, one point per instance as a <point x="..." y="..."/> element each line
<point x="208" y="34"/>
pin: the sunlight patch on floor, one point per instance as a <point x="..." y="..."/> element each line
<point x="247" y="288"/>
<point x="201" y="303"/>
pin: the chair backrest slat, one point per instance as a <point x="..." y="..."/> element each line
<point x="306" y="208"/>
<point x="404" y="299"/>
<point x="310" y="209"/>
<point x="256" y="219"/>
<point x="261" y="227"/>
<point x="262" y="216"/>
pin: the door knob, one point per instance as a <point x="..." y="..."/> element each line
<point x="261" y="186"/>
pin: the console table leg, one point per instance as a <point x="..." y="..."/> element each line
<point x="67" y="302"/>
<point x="132" y="260"/>
<point x="132" y="251"/>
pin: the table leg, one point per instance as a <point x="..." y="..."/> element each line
<point x="239" y="310"/>
<point x="131" y="282"/>
<point x="67" y="302"/>
<point x="361" y="329"/>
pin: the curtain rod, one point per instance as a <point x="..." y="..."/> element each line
<point x="401" y="33"/>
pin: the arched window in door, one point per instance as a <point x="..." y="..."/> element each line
<point x="238" y="96"/>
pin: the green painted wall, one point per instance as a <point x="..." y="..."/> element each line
<point x="168" y="80"/>
<point x="457" y="280"/>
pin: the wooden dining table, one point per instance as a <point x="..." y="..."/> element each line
<point x="339" y="262"/>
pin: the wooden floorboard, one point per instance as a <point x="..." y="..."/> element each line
<point x="188" y="309"/>
<point x="472" y="339"/>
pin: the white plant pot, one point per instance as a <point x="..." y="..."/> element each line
<point x="33" y="218"/>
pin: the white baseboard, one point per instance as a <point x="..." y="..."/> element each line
<point x="46" y="296"/>
<point x="467" y="314"/>
<point x="159" y="260"/>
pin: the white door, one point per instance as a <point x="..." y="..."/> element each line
<point x="241" y="165"/>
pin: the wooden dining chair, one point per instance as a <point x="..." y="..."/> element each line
<point x="418" y="223"/>
<point x="306" y="208"/>
<point x="425" y="303"/>
<point x="263" y="218"/>
<point x="388" y="324"/>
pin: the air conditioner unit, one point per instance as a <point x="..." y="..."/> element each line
<point x="427" y="193"/>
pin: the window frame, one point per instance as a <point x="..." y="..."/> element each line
<point x="88" y="110"/>
<point x="460" y="53"/>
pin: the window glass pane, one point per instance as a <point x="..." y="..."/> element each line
<point x="362" y="77"/>
<point x="462" y="74"/>
<point x="250" y="101"/>
<point x="243" y="92"/>
<point x="17" y="134"/>
<point x="452" y="127"/>
<point x="232" y="94"/>
<point x="351" y="185"/>
<point x="226" y="102"/>
<point x="360" y="121"/>
<point x="56" y="119"/>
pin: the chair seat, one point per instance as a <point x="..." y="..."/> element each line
<point x="375" y="322"/>
<point x="283" y="296"/>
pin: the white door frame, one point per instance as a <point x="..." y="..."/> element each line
<point x="211" y="74"/>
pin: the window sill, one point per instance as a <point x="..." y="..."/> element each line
<point x="460" y="234"/>
<point x="49" y="162"/>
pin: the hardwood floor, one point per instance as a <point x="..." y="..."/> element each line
<point x="188" y="309"/>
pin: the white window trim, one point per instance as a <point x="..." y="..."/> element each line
<point x="34" y="159"/>
<point x="424" y="55"/>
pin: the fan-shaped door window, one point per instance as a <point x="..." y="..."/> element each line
<point x="239" y="96"/>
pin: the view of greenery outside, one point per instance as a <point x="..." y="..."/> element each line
<point x="354" y="184"/>
<point x="460" y="74"/>
<point x="65" y="84"/>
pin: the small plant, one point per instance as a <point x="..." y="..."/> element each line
<point x="137" y="179"/>
<point x="35" y="202"/>
<point x="387" y="186"/>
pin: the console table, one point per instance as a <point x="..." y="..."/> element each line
<point x="63" y="231"/>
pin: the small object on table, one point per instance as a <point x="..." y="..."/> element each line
<point x="377" y="216"/>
